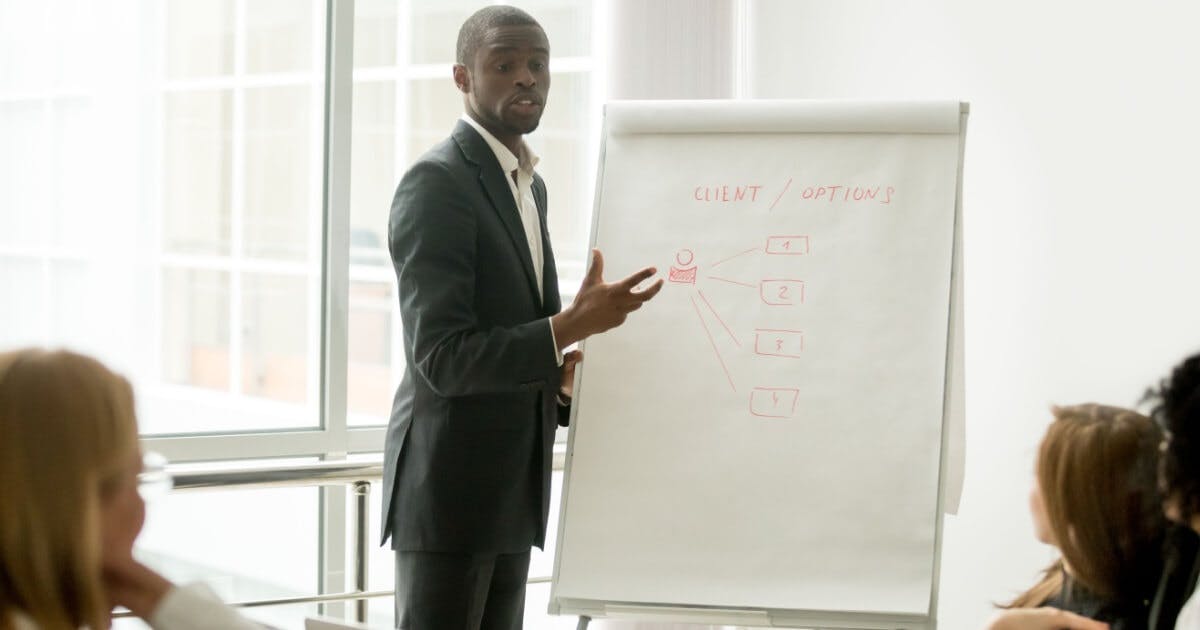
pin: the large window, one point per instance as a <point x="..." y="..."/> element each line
<point x="237" y="191"/>
<point x="404" y="103"/>
<point x="170" y="203"/>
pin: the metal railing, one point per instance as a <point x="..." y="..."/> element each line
<point x="358" y="476"/>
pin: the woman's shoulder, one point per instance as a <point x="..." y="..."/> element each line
<point x="1119" y="614"/>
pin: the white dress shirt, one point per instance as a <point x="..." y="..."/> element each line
<point x="1189" y="615"/>
<point x="520" y="183"/>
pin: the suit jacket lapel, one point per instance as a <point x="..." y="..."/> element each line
<point x="495" y="184"/>
<point x="551" y="301"/>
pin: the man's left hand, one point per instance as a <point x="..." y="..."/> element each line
<point x="570" y="360"/>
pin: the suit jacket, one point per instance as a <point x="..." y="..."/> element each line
<point x="468" y="450"/>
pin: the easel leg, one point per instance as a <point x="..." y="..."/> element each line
<point x="583" y="622"/>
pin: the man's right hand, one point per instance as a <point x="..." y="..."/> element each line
<point x="601" y="306"/>
<point x="1045" y="618"/>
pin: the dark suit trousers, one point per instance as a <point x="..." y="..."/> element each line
<point x="460" y="591"/>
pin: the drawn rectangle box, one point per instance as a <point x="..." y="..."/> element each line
<point x="778" y="343"/>
<point x="793" y="245"/>
<point x="781" y="292"/>
<point x="773" y="402"/>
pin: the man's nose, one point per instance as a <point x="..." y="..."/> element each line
<point x="525" y="78"/>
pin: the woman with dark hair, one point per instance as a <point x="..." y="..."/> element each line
<point x="1095" y="499"/>
<point x="1177" y="409"/>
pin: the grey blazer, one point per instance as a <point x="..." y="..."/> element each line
<point x="468" y="450"/>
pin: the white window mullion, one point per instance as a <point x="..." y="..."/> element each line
<point x="238" y="201"/>
<point x="335" y="295"/>
<point x="336" y="219"/>
<point x="316" y="225"/>
<point x="404" y="24"/>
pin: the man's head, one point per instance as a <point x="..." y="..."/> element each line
<point x="503" y="71"/>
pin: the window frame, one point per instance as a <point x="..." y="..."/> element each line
<point x="333" y="438"/>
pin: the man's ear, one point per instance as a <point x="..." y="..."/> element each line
<point x="462" y="78"/>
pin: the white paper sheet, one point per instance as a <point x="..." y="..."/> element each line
<point x="766" y="433"/>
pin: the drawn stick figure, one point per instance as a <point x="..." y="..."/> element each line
<point x="685" y="272"/>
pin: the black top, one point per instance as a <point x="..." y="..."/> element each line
<point x="1118" y="614"/>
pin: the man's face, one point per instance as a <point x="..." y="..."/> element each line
<point x="507" y="83"/>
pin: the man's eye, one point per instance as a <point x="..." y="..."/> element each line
<point x="538" y="66"/>
<point x="502" y="67"/>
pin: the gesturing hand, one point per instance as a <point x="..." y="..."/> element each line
<point x="600" y="305"/>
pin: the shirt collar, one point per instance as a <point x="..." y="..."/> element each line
<point x="508" y="162"/>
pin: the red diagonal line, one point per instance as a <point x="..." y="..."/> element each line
<point x="714" y="344"/>
<point x="785" y="187"/>
<point x="725" y="260"/>
<point x="714" y="312"/>
<point x="745" y="284"/>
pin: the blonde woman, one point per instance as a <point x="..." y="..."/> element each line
<point x="1095" y="499"/>
<point x="70" y="508"/>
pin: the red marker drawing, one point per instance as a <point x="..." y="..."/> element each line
<point x="778" y="343"/>
<point x="773" y="402"/>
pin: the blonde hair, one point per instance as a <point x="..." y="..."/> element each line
<point x="67" y="434"/>
<point x="1096" y="472"/>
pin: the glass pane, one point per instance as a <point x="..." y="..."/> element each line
<point x="435" y="25"/>
<point x="75" y="22"/>
<point x="279" y="35"/>
<point x="25" y="192"/>
<point x="372" y="379"/>
<point x="197" y="166"/>
<point x="375" y="24"/>
<point x="280" y="157"/>
<point x="275" y="337"/>
<point x="245" y="544"/>
<point x="433" y="107"/>
<point x="374" y="177"/>
<point x="195" y="325"/>
<point x="73" y="311"/>
<point x="23" y="291"/>
<point x="200" y="38"/>
<point x="118" y="199"/>
<point x="26" y="54"/>
<point x="73" y="222"/>
<point x="568" y="25"/>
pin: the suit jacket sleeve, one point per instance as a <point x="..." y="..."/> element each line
<point x="432" y="238"/>
<point x="564" y="415"/>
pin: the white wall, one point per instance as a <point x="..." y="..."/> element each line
<point x="1082" y="210"/>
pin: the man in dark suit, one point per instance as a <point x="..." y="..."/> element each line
<point x="466" y="485"/>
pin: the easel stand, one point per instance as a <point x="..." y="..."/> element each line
<point x="813" y="620"/>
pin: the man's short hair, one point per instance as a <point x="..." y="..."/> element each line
<point x="471" y="34"/>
